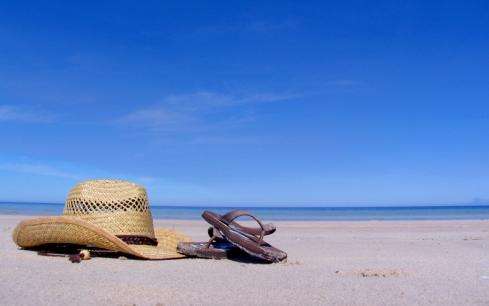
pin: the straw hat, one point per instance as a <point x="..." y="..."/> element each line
<point x="108" y="214"/>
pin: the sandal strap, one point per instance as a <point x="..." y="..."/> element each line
<point x="269" y="227"/>
<point x="230" y="216"/>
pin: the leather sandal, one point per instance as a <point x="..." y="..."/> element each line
<point x="252" y="244"/>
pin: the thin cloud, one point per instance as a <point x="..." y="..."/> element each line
<point x="223" y="140"/>
<point x="158" y="118"/>
<point x="38" y="169"/>
<point x="10" y="113"/>
<point x="344" y="83"/>
<point x="479" y="201"/>
<point x="199" y="112"/>
<point x="266" y="27"/>
<point x="252" y="27"/>
<point x="160" y="187"/>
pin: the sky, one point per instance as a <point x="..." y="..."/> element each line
<point x="334" y="103"/>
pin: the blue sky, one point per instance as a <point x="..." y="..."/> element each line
<point x="232" y="103"/>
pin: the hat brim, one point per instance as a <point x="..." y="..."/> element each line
<point x="70" y="230"/>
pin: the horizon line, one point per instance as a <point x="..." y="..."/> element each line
<point x="424" y="205"/>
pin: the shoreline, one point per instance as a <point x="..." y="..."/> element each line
<point x="27" y="216"/>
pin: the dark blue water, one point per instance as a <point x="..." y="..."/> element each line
<point x="288" y="213"/>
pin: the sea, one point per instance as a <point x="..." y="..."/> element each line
<point x="286" y="213"/>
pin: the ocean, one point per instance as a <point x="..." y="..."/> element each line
<point x="287" y="213"/>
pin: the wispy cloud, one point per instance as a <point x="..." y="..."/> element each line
<point x="252" y="27"/>
<point x="17" y="114"/>
<point x="37" y="169"/>
<point x="344" y="83"/>
<point x="162" y="189"/>
<point x="200" y="111"/>
<point x="263" y="26"/>
<point x="224" y="140"/>
<point x="159" y="118"/>
<point x="479" y="201"/>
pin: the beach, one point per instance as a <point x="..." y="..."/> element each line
<point x="329" y="263"/>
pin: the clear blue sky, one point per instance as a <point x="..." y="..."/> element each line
<point x="231" y="103"/>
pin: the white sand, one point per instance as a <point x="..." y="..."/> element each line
<point x="334" y="263"/>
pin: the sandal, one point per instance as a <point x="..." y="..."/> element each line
<point x="213" y="249"/>
<point x="256" y="231"/>
<point x="252" y="244"/>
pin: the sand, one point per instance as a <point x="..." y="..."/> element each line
<point x="333" y="263"/>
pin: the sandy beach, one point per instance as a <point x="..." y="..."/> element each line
<point x="334" y="263"/>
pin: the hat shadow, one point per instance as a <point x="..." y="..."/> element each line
<point x="67" y="250"/>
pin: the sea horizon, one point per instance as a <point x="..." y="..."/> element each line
<point x="287" y="213"/>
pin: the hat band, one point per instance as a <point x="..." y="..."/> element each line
<point x="124" y="223"/>
<point x="138" y="240"/>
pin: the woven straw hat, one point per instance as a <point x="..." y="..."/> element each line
<point x="108" y="214"/>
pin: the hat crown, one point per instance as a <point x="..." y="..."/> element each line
<point x="106" y="196"/>
<point x="117" y="206"/>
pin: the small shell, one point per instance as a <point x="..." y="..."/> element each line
<point x="85" y="254"/>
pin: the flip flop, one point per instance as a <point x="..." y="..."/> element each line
<point x="218" y="247"/>
<point x="256" y="231"/>
<point x="212" y="249"/>
<point x="251" y="244"/>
